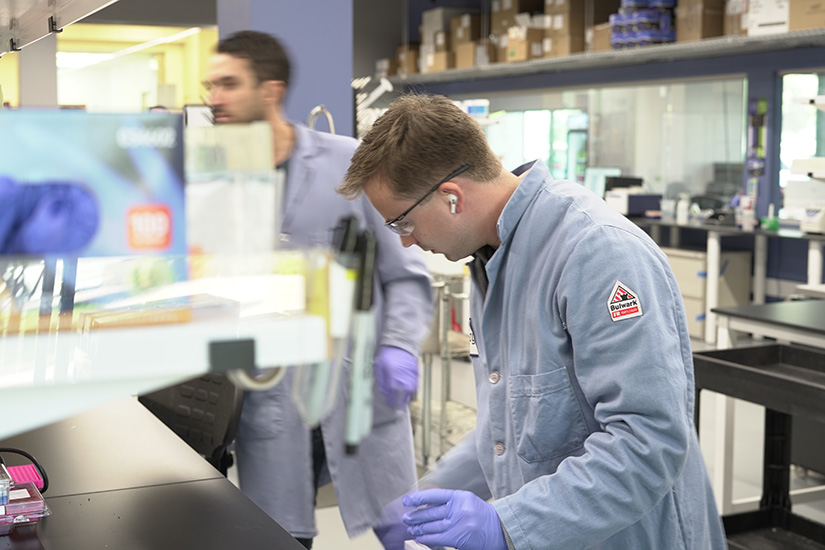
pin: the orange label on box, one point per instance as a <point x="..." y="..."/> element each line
<point x="149" y="226"/>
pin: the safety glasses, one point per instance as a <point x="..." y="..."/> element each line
<point x="404" y="227"/>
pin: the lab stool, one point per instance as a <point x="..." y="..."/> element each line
<point x="447" y="343"/>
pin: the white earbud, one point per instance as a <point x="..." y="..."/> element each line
<point x="453" y="200"/>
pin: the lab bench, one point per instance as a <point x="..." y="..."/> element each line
<point x="714" y="235"/>
<point x="119" y="478"/>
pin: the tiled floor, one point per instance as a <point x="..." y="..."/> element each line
<point x="747" y="460"/>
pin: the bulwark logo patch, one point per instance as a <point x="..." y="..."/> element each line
<point x="623" y="303"/>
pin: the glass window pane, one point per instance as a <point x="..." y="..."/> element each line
<point x="676" y="136"/>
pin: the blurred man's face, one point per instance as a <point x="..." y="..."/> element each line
<point x="235" y="94"/>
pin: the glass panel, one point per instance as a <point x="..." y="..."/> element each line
<point x="676" y="136"/>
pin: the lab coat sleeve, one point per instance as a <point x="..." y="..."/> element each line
<point x="636" y="377"/>
<point x="459" y="469"/>
<point x="406" y="285"/>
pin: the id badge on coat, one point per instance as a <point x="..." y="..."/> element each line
<point x="473" y="345"/>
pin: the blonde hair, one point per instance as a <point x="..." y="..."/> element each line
<point x="418" y="141"/>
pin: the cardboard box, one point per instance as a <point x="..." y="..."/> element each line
<point x="465" y="28"/>
<point x="499" y="48"/>
<point x="474" y="54"/>
<point x="386" y="67"/>
<point x="567" y="17"/>
<point x="557" y="44"/>
<point x="524" y="43"/>
<point x="407" y="59"/>
<point x="597" y="38"/>
<point x="503" y="13"/>
<point x="768" y="17"/>
<point x="502" y="20"/>
<point x="440" y="61"/>
<point x="443" y="41"/>
<point x="695" y="22"/>
<point x="806" y="14"/>
<point x="736" y="18"/>
<point x="437" y="19"/>
<point x="709" y="4"/>
<point x="425" y="53"/>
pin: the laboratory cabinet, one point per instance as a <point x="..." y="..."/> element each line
<point x="690" y="269"/>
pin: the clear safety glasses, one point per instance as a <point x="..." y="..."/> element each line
<point x="404" y="227"/>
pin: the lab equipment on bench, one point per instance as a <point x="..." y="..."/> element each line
<point x="808" y="196"/>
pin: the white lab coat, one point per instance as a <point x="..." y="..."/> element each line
<point x="273" y="445"/>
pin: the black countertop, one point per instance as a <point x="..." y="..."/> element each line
<point x="120" y="479"/>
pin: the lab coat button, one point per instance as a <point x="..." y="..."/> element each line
<point x="499" y="448"/>
<point x="494" y="377"/>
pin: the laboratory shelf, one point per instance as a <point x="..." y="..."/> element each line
<point x="723" y="46"/>
<point x="45" y="377"/>
<point x="154" y="339"/>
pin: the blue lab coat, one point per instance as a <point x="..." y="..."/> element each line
<point x="273" y="445"/>
<point x="585" y="432"/>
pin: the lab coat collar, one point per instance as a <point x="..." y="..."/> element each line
<point x="521" y="198"/>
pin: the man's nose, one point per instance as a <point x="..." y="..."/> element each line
<point x="408" y="241"/>
<point x="215" y="96"/>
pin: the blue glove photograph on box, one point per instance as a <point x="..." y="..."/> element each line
<point x="47" y="218"/>
<point x="458" y="519"/>
<point x="91" y="184"/>
<point x="396" y="372"/>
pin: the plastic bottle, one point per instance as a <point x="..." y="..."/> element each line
<point x="683" y="210"/>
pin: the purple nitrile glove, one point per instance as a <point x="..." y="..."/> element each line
<point x="396" y="372"/>
<point x="391" y="530"/>
<point x="458" y="519"/>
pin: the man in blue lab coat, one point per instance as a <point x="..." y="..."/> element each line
<point x="583" y="368"/>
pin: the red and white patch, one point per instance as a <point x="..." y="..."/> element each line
<point x="623" y="303"/>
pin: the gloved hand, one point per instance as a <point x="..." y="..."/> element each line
<point x="453" y="518"/>
<point x="396" y="372"/>
<point x="391" y="530"/>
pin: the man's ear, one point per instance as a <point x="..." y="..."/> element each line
<point x="274" y="91"/>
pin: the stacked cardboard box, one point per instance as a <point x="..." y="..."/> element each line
<point x="503" y="13"/>
<point x="565" y="32"/>
<point x="806" y="14"/>
<point x="386" y="67"/>
<point x="597" y="23"/>
<point x="524" y="42"/>
<point x="407" y="55"/>
<point x="736" y="18"/>
<point x="768" y="17"/>
<point x="698" y="19"/>
<point x="506" y="14"/>
<point x="436" y="52"/>
<point x="471" y="50"/>
<point x="597" y="38"/>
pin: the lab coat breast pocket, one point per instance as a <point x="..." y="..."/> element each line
<point x="547" y="420"/>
